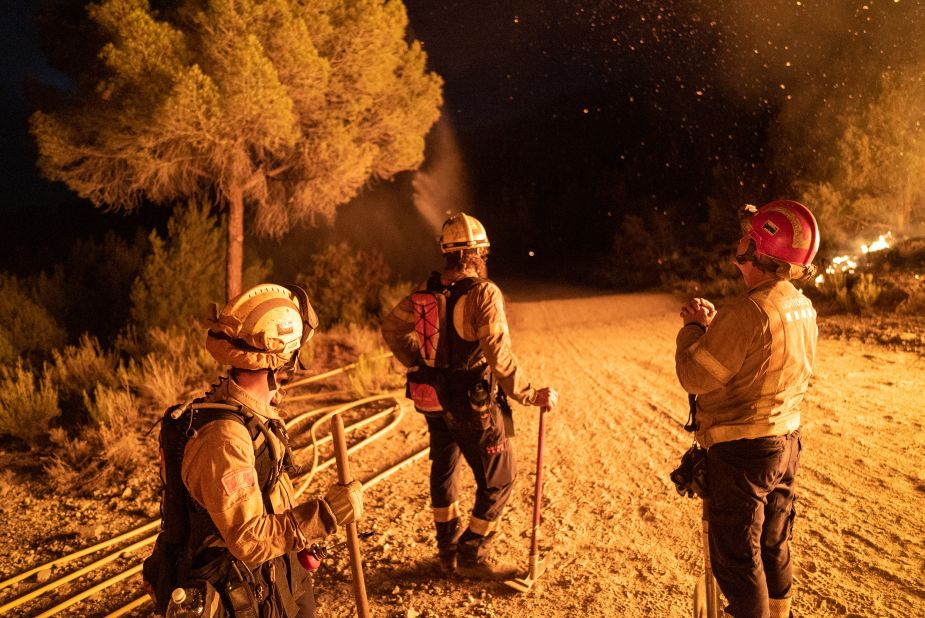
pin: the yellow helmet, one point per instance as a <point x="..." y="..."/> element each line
<point x="462" y="232"/>
<point x="262" y="328"/>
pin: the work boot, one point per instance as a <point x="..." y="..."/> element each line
<point x="474" y="558"/>
<point x="485" y="567"/>
<point x="447" y="538"/>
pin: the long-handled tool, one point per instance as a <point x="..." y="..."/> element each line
<point x="706" y="592"/>
<point x="353" y="540"/>
<point x="524" y="584"/>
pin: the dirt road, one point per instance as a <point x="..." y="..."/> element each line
<point x="618" y="538"/>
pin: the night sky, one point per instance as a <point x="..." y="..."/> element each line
<point x="570" y="114"/>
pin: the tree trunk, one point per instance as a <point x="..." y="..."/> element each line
<point x="235" y="257"/>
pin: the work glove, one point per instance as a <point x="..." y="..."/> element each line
<point x="345" y="502"/>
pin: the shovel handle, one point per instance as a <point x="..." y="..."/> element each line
<point x="353" y="539"/>
<point x="710" y="584"/>
<point x="538" y="491"/>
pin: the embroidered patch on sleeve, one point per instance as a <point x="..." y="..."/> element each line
<point x="239" y="479"/>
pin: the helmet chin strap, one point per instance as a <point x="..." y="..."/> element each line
<point x="272" y="384"/>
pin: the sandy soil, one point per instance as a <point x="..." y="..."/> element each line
<point x="618" y="539"/>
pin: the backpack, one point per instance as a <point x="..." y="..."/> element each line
<point x="452" y="371"/>
<point x="185" y="524"/>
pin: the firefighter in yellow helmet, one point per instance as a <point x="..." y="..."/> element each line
<point x="231" y="530"/>
<point x="453" y="336"/>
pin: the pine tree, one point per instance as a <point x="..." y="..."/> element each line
<point x="286" y="107"/>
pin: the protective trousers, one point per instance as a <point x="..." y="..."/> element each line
<point x="751" y="486"/>
<point x="488" y="452"/>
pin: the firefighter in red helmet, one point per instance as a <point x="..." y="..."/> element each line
<point x="453" y="336"/>
<point x="749" y="364"/>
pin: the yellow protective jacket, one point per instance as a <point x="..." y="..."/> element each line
<point x="751" y="367"/>
<point x="219" y="472"/>
<point x="478" y="316"/>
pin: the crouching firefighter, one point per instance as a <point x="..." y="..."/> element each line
<point x="230" y="530"/>
<point x="453" y="336"/>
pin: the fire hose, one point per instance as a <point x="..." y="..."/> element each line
<point x="325" y="413"/>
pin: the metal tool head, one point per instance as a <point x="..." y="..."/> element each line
<point x="525" y="584"/>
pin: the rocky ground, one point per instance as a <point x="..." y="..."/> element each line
<point x="618" y="539"/>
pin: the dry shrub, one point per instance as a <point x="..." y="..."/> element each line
<point x="71" y="467"/>
<point x="27" y="328"/>
<point x="158" y="379"/>
<point x="82" y="366"/>
<point x="76" y="370"/>
<point x="184" y="347"/>
<point x="192" y="248"/>
<point x="27" y="403"/>
<point x="99" y="459"/>
<point x="720" y="279"/>
<point x="343" y="284"/>
<point x="173" y="362"/>
<point x="344" y="343"/>
<point x="111" y="406"/>
<point x="120" y="448"/>
<point x="373" y="374"/>
<point x="866" y="291"/>
<point x="914" y="304"/>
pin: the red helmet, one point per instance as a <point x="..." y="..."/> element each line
<point x="784" y="230"/>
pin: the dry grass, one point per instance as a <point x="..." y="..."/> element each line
<point x="866" y="292"/>
<point x="110" y="406"/>
<point x="175" y="364"/>
<point x="75" y="371"/>
<point x="98" y="460"/>
<point x="162" y="381"/>
<point x="372" y="374"/>
<point x="27" y="403"/>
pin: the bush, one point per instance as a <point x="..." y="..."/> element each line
<point x="183" y="273"/>
<point x="26" y="327"/>
<point x="866" y="292"/>
<point x="344" y="284"/>
<point x="71" y="467"/>
<point x="173" y="362"/>
<point x="111" y="407"/>
<point x="97" y="460"/>
<point x="89" y="292"/>
<point x="76" y="370"/>
<point x="373" y="375"/>
<point x="27" y="403"/>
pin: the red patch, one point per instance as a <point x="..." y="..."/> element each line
<point x="494" y="449"/>
<point x="239" y="479"/>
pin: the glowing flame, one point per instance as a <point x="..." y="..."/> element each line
<point x="842" y="263"/>
<point x="848" y="263"/>
<point x="883" y="242"/>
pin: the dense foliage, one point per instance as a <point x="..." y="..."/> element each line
<point x="288" y="107"/>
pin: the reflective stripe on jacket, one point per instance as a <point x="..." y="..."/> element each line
<point x="751" y="368"/>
